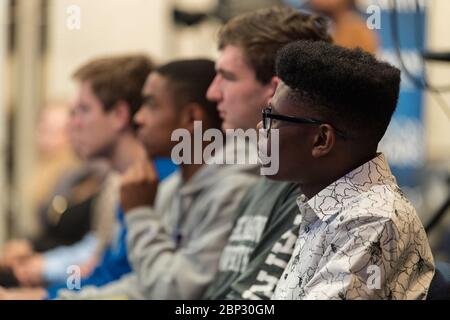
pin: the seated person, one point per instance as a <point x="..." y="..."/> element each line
<point x="358" y="235"/>
<point x="70" y="215"/>
<point x="178" y="228"/>
<point x="263" y="236"/>
<point x="103" y="129"/>
<point x="103" y="92"/>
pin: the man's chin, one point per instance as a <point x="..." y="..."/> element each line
<point x="275" y="177"/>
<point x="278" y="175"/>
<point x="227" y="126"/>
<point x="152" y="153"/>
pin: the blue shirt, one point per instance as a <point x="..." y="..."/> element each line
<point x="57" y="260"/>
<point x="114" y="263"/>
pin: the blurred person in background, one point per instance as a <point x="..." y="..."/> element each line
<point x="69" y="212"/>
<point x="55" y="152"/>
<point x="108" y="95"/>
<point x="178" y="227"/>
<point x="264" y="234"/>
<point x="348" y="28"/>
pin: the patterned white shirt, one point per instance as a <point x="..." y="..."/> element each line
<point x="359" y="238"/>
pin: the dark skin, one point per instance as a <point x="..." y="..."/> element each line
<point x="314" y="156"/>
<point x="157" y="118"/>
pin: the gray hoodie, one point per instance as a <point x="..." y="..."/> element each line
<point x="175" y="246"/>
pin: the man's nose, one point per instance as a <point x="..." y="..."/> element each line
<point x="214" y="93"/>
<point x="137" y="119"/>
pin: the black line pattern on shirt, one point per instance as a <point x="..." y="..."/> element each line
<point x="361" y="222"/>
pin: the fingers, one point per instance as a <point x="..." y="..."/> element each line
<point x="22" y="275"/>
<point x="141" y="171"/>
<point x="138" y="186"/>
<point x="150" y="171"/>
<point x="15" y="251"/>
<point x="29" y="273"/>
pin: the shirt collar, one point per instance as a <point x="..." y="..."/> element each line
<point x="338" y="194"/>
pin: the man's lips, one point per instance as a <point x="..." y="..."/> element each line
<point x="140" y="133"/>
<point x="222" y="113"/>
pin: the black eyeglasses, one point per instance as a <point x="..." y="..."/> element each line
<point x="267" y="116"/>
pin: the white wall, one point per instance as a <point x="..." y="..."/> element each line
<point x="437" y="124"/>
<point x="107" y="27"/>
<point x="120" y="26"/>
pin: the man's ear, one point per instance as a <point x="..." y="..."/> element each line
<point x="272" y="87"/>
<point x="190" y="113"/>
<point x="324" y="141"/>
<point x="121" y="115"/>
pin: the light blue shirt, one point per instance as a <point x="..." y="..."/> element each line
<point x="57" y="261"/>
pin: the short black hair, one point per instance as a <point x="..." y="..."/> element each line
<point x="348" y="85"/>
<point x="189" y="81"/>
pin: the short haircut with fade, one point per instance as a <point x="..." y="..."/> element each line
<point x="189" y="81"/>
<point x="349" y="85"/>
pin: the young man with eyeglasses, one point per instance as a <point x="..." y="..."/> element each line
<point x="268" y="116"/>
<point x="358" y="235"/>
<point x="253" y="260"/>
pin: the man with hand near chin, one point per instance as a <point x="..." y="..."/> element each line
<point x="177" y="228"/>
